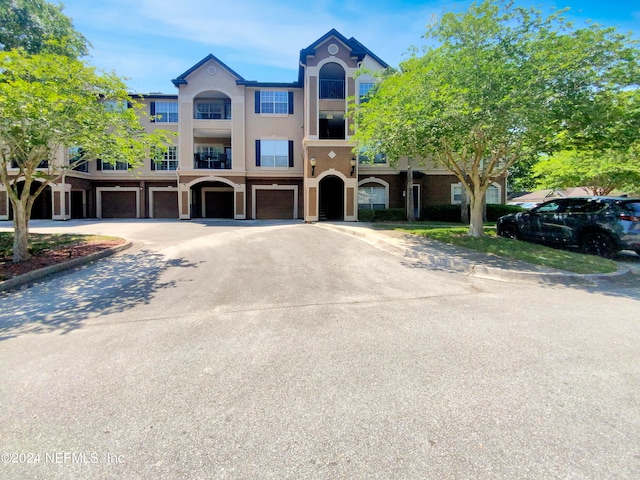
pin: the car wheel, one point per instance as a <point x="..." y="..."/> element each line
<point x="598" y="243"/>
<point x="508" y="230"/>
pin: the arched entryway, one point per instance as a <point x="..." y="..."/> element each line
<point x="331" y="206"/>
<point x="42" y="207"/>
<point x="212" y="200"/>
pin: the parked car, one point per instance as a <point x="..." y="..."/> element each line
<point x="596" y="225"/>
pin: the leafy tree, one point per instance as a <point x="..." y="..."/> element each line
<point x="505" y="84"/>
<point x="50" y="102"/>
<point x="600" y="174"/>
<point x="38" y="26"/>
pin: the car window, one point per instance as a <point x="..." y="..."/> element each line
<point x="550" y="207"/>
<point x="584" y="206"/>
<point x="633" y="206"/>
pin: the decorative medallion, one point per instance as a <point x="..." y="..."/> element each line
<point x="332" y="154"/>
<point x="212" y="70"/>
<point x="333" y="49"/>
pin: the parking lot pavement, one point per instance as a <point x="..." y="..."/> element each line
<point x="282" y="350"/>
<point x="630" y="260"/>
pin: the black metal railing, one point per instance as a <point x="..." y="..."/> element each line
<point x="332" y="89"/>
<point x="211" y="162"/>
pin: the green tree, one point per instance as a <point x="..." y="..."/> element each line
<point x="600" y="173"/>
<point x="50" y="102"/>
<point x="504" y="84"/>
<point x="38" y="26"/>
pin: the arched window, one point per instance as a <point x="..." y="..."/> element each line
<point x="332" y="82"/>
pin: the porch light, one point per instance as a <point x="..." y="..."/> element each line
<point x="353" y="166"/>
<point x="312" y="162"/>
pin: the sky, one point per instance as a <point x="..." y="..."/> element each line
<point x="151" y="42"/>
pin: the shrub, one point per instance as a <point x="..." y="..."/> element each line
<point x="451" y="213"/>
<point x="366" y="215"/>
<point x="496" y="211"/>
<point x="386" y="215"/>
<point x="441" y="213"/>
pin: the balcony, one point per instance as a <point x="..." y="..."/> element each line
<point x="331" y="89"/>
<point x="211" y="162"/>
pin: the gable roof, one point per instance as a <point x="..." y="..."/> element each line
<point x="182" y="79"/>
<point x="358" y="50"/>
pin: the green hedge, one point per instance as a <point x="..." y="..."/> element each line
<point x="451" y="213"/>
<point x="386" y="215"/>
<point x="494" y="212"/>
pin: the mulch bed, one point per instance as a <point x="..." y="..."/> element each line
<point x="8" y="269"/>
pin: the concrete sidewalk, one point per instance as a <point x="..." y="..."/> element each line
<point x="471" y="262"/>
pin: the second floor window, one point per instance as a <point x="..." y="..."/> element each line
<point x="363" y="91"/>
<point x="212" y="111"/>
<point x="274" y="102"/>
<point x="75" y="157"/>
<point x="378" y="159"/>
<point x="165" y="112"/>
<point x="119" y="166"/>
<point x="274" y="153"/>
<point x="169" y="161"/>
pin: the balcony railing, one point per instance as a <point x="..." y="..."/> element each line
<point x="211" y="162"/>
<point x="332" y="89"/>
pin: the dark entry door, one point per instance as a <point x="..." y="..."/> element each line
<point x="331" y="199"/>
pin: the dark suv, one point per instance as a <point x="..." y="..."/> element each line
<point x="596" y="225"/>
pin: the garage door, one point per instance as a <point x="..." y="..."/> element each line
<point x="118" y="204"/>
<point x="274" y="204"/>
<point x="165" y="204"/>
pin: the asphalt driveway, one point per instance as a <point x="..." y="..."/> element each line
<point x="285" y="350"/>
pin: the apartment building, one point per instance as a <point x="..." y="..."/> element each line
<point x="247" y="149"/>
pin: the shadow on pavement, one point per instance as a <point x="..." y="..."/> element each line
<point x="63" y="303"/>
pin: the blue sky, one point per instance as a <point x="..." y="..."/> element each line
<point x="151" y="42"/>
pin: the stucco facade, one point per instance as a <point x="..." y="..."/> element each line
<point x="252" y="150"/>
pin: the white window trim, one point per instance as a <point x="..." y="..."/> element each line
<point x="275" y="167"/>
<point x="164" y="115"/>
<point x="274" y="114"/>
<point x="379" y="181"/>
<point x="459" y="184"/>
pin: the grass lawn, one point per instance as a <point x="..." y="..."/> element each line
<point x="456" y="234"/>
<point x="40" y="242"/>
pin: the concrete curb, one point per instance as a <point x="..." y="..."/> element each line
<point x="59" y="267"/>
<point x="448" y="261"/>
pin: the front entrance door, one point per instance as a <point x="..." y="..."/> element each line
<point x="331" y="206"/>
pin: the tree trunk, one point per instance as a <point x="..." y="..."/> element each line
<point x="20" y="232"/>
<point x="411" y="214"/>
<point x="475" y="226"/>
<point x="464" y="206"/>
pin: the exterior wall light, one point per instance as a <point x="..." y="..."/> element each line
<point x="353" y="166"/>
<point x="312" y="162"/>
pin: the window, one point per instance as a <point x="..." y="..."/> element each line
<point x="210" y="111"/>
<point x="115" y="105"/>
<point x="378" y="159"/>
<point x="456" y="193"/>
<point x="275" y="102"/>
<point x="169" y="162"/>
<point x="165" y="112"/>
<point x="111" y="167"/>
<point x="363" y="91"/>
<point x="75" y="155"/>
<point x="212" y="157"/>
<point x="551" y="207"/>
<point x="274" y="153"/>
<point x="372" y="198"/>
<point x="492" y="195"/>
